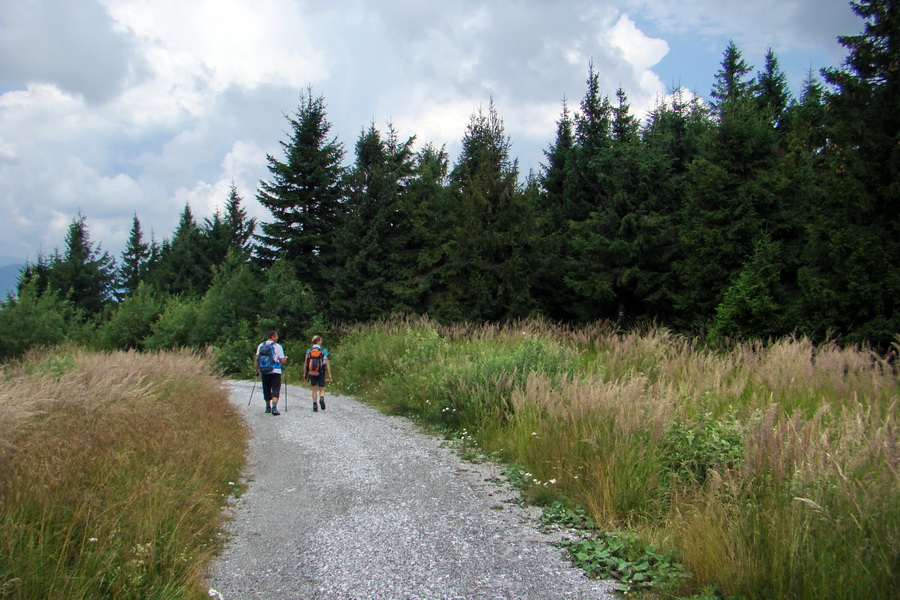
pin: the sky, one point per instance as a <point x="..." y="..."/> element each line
<point x="111" y="108"/>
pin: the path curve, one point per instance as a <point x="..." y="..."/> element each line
<point x="352" y="504"/>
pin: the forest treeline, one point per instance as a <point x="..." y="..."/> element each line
<point x="758" y="214"/>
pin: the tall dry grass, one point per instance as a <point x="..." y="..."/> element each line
<point x="113" y="471"/>
<point x="772" y="469"/>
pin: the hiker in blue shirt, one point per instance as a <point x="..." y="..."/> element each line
<point x="316" y="367"/>
<point x="271" y="373"/>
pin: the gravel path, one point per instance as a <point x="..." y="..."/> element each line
<point x="352" y="504"/>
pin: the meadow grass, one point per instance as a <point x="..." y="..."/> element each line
<point x="113" y="472"/>
<point x="769" y="469"/>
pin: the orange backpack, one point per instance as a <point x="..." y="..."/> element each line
<point x="315" y="361"/>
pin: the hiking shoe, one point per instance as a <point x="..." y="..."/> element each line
<point x="322" y="402"/>
<point x="275" y="412"/>
<point x="268" y="408"/>
<point x="315" y="407"/>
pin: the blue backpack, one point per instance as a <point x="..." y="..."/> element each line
<point x="266" y="362"/>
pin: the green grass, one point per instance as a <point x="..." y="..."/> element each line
<point x="113" y="472"/>
<point x="767" y="471"/>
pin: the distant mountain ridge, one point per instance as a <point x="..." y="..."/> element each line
<point x="9" y="277"/>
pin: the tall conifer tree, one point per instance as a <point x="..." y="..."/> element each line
<point x="620" y="248"/>
<point x="237" y="225"/>
<point x="488" y="272"/>
<point x="135" y="259"/>
<point x="374" y="239"/>
<point x="183" y="266"/>
<point x="556" y="207"/>
<point x="304" y="194"/>
<point x="83" y="274"/>
<point x="228" y="231"/>
<point x="432" y="210"/>
<point x="772" y="90"/>
<point x="731" y="198"/>
<point x="852" y="282"/>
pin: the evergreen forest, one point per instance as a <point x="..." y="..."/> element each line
<point x="756" y="215"/>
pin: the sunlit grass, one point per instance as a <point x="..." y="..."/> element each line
<point x="771" y="469"/>
<point x="113" y="472"/>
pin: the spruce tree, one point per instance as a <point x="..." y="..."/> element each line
<point x="228" y="232"/>
<point x="431" y="208"/>
<point x="807" y="120"/>
<point x="589" y="186"/>
<point x="304" y="194"/>
<point x="83" y="274"/>
<point x="677" y="129"/>
<point x="731" y="197"/>
<point x="556" y="173"/>
<point x="772" y="94"/>
<point x="555" y="208"/>
<point x="802" y="189"/>
<point x="733" y="86"/>
<point x="239" y="228"/>
<point x="374" y="239"/>
<point x="135" y="259"/>
<point x="593" y="140"/>
<point x="183" y="267"/>
<point x="672" y="141"/>
<point x="619" y="248"/>
<point x="35" y="274"/>
<point x="488" y="274"/>
<point x="851" y="281"/>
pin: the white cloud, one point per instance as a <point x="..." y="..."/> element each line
<point x="639" y="50"/>
<point x="641" y="53"/>
<point x="438" y="122"/>
<point x="231" y="42"/>
<point x="68" y="43"/>
<point x="756" y="25"/>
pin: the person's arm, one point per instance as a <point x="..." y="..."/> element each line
<point x="306" y="365"/>
<point x="328" y="368"/>
<point x="282" y="358"/>
<point x="255" y="360"/>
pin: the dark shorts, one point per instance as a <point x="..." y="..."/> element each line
<point x="317" y="380"/>
<point x="271" y="385"/>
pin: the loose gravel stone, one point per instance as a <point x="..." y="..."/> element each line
<point x="348" y="503"/>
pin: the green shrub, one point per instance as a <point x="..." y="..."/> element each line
<point x="234" y="353"/>
<point x="691" y="452"/>
<point x="177" y="326"/>
<point x="750" y="306"/>
<point x="231" y="300"/>
<point x="33" y="319"/>
<point x="132" y="322"/>
<point x="289" y="306"/>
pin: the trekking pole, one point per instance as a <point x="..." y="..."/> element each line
<point x="285" y="392"/>
<point x="251" y="394"/>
